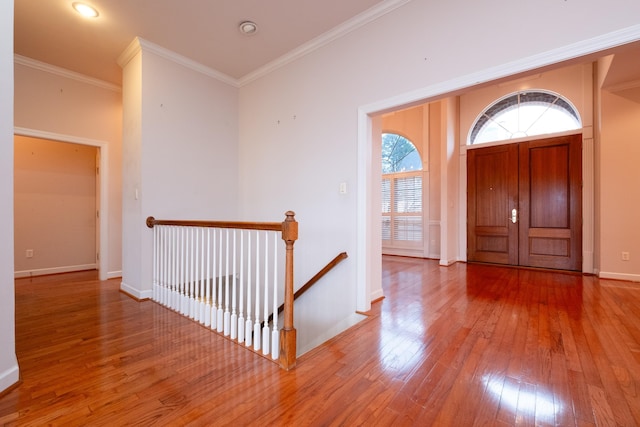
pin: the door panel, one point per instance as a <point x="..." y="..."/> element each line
<point x="542" y="180"/>
<point x="492" y="185"/>
<point x="551" y="203"/>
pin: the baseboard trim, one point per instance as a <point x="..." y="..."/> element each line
<point x="377" y="295"/>
<point x="114" y="274"/>
<point x="54" y="270"/>
<point x="9" y="377"/>
<point x="619" y="276"/>
<point x="135" y="293"/>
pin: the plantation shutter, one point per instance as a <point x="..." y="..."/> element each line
<point x="402" y="207"/>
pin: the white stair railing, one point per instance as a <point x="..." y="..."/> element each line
<point x="228" y="276"/>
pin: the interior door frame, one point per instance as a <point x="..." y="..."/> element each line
<point x="102" y="245"/>
<point x="368" y="264"/>
<point x="588" y="191"/>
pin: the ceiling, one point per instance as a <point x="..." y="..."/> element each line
<point x="205" y="31"/>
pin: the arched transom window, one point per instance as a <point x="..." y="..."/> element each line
<point x="522" y="114"/>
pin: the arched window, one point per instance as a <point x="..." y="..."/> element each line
<point x="522" y="114"/>
<point x="401" y="192"/>
<point x="399" y="154"/>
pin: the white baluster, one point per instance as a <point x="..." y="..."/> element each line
<point x="171" y="268"/>
<point x="248" y="324"/>
<point x="227" y="312"/>
<point x="275" y="333"/>
<point x="191" y="269"/>
<point x="265" y="329"/>
<point x="203" y="253"/>
<point x="240" y="322"/>
<point x="184" y="271"/>
<point x="233" y="333"/>
<point x="195" y="314"/>
<point x="194" y="294"/>
<point x="172" y="262"/>
<point x="159" y="266"/>
<point x="167" y="266"/>
<point x="163" y="274"/>
<point x="154" y="279"/>
<point x="207" y="299"/>
<point x="214" y="285"/>
<point x="187" y="270"/>
<point x="256" y="326"/>
<point x="220" y="313"/>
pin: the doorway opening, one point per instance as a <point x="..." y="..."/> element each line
<point x="93" y="225"/>
<point x="524" y="203"/>
<point x="453" y="180"/>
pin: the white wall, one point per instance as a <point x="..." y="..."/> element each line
<point x="300" y="129"/>
<point x="620" y="192"/>
<point x="56" y="104"/>
<point x="180" y="143"/>
<point x="132" y="227"/>
<point x="9" y="373"/>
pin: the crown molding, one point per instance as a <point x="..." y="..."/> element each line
<point x="139" y="44"/>
<point x="341" y="30"/>
<point x="619" y="87"/>
<point x="129" y="52"/>
<point x="570" y="52"/>
<point x="63" y="72"/>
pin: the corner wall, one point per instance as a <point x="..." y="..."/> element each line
<point x="180" y="141"/>
<point x="9" y="371"/>
<point x="619" y="189"/>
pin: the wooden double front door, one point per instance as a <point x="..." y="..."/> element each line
<point x="524" y="203"/>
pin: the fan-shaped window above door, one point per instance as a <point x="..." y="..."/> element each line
<point x="522" y="114"/>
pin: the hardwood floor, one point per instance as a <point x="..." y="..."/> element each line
<point x="466" y="345"/>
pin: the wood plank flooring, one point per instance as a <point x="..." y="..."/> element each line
<point x="465" y="345"/>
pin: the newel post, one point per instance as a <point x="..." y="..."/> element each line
<point x="288" y="333"/>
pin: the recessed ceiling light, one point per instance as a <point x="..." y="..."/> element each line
<point x="248" y="27"/>
<point x="85" y="10"/>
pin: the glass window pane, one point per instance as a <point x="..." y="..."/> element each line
<point x="524" y="114"/>
<point x="399" y="154"/>
<point x="386" y="228"/>
<point x="386" y="195"/>
<point x="401" y="192"/>
<point x="407" y="228"/>
<point x="407" y="195"/>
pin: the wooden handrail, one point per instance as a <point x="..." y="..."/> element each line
<point x="337" y="260"/>
<point x="240" y="225"/>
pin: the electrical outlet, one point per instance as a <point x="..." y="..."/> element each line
<point x="29" y="253"/>
<point x="625" y="256"/>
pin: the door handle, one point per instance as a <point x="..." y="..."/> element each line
<point x="514" y="215"/>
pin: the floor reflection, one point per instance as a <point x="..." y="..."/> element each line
<point x="402" y="328"/>
<point x="537" y="402"/>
